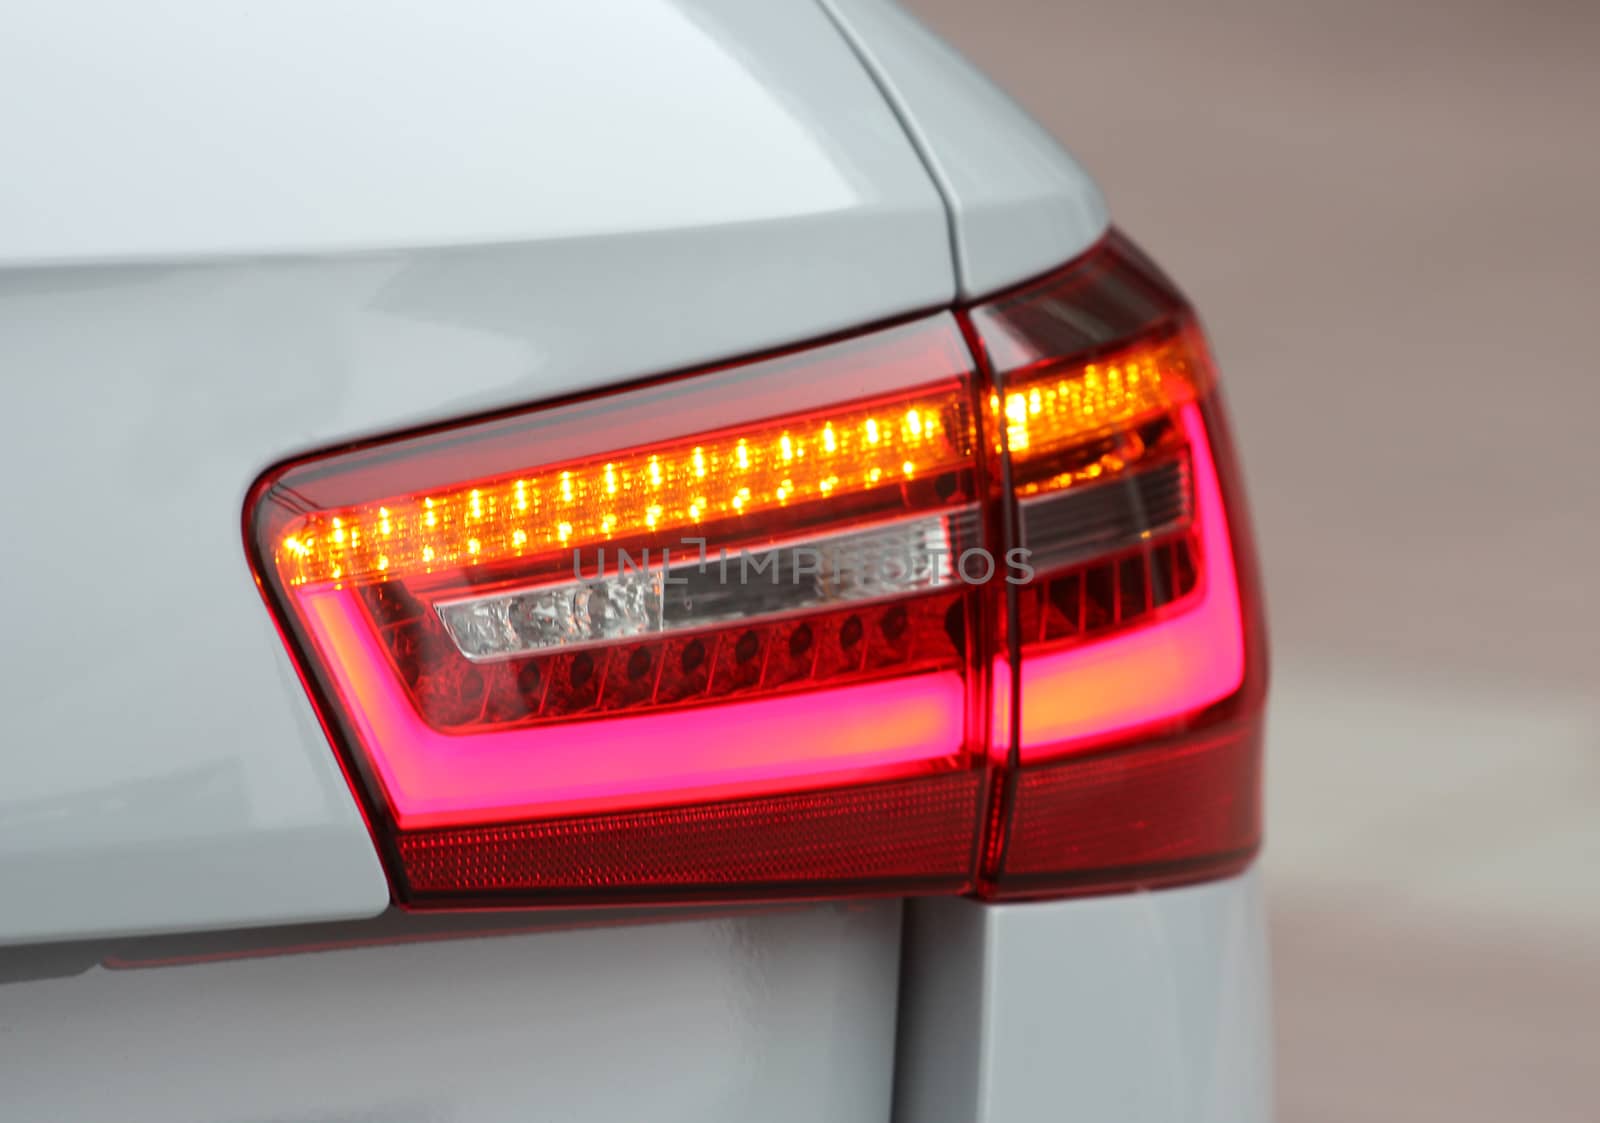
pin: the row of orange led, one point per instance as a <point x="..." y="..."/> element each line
<point x="629" y="494"/>
<point x="728" y="476"/>
<point x="1051" y="409"/>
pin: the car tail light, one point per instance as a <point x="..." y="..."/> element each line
<point x="703" y="637"/>
<point x="750" y="631"/>
<point x="1134" y="752"/>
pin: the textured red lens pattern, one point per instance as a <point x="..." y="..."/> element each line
<point x="917" y="831"/>
<point x="1095" y="599"/>
<point x="1138" y="816"/>
<point x="453" y="694"/>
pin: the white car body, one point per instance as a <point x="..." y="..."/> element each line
<point x="230" y="234"/>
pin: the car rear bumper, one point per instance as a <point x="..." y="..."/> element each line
<point x="1143" y="1008"/>
<point x="1137" y="1008"/>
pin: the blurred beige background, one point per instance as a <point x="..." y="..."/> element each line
<point x="1389" y="215"/>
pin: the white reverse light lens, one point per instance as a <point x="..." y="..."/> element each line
<point x="555" y="616"/>
<point x="908" y="556"/>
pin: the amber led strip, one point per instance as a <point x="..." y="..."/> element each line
<point x="770" y="465"/>
<point x="1054" y="408"/>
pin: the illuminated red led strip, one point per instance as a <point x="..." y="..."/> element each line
<point x="1102" y="691"/>
<point x="642" y="760"/>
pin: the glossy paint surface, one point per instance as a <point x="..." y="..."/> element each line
<point x="163" y="769"/>
<point x="1019" y="204"/>
<point x="782" y="1017"/>
<point x="185" y="128"/>
<point x="1140" y="1007"/>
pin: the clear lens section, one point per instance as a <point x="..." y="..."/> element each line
<point x="578" y="612"/>
<point x="891" y="560"/>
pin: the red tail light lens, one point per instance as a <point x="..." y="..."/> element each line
<point x="600" y="649"/>
<point x="742" y="633"/>
<point x="1134" y="755"/>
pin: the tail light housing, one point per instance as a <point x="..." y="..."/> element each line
<point x="1132" y="734"/>
<point x="960" y="605"/>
